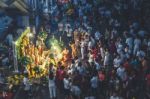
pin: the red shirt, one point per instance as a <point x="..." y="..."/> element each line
<point x="60" y="74"/>
<point x="94" y="53"/>
<point x="127" y="66"/>
<point x="148" y="79"/>
<point x="101" y="77"/>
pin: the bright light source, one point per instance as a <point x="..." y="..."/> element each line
<point x="15" y="42"/>
<point x="30" y="35"/>
<point x="59" y="56"/>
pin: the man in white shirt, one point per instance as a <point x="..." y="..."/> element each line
<point x="67" y="86"/>
<point x="140" y="54"/>
<point x="102" y="52"/>
<point x="127" y="52"/>
<point x="137" y="44"/>
<point x="141" y="33"/>
<point x="9" y="39"/>
<point x="52" y="86"/>
<point x="76" y="90"/>
<point x="94" y="82"/>
<point x="129" y="42"/>
<point x="119" y="47"/>
<point x="121" y="73"/>
<point x="26" y="84"/>
<point x="69" y="31"/>
<point x="97" y="35"/>
<point x="94" y="85"/>
<point x="98" y="66"/>
<point x="106" y="58"/>
<point x="117" y="62"/>
<point x="81" y="69"/>
<point x="82" y="49"/>
<point x="60" y="27"/>
<point x="90" y="45"/>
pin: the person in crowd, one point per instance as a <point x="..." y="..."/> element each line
<point x="52" y="86"/>
<point x="94" y="85"/>
<point x="26" y="84"/>
<point x="76" y="91"/>
<point x="115" y="96"/>
<point x="109" y="52"/>
<point x="67" y="86"/>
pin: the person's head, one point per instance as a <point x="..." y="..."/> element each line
<point x="26" y="75"/>
<point x="72" y="61"/>
<point x="62" y="67"/>
<point x="59" y="63"/>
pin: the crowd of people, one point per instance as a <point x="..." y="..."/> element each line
<point x="109" y="51"/>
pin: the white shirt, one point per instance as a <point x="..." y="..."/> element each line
<point x="119" y="48"/>
<point x="26" y="83"/>
<point x="71" y="69"/>
<point x="91" y="59"/>
<point x="137" y="42"/>
<point x="129" y="42"/>
<point x="117" y="62"/>
<point x="97" y="65"/>
<point x="97" y="35"/>
<point x="94" y="82"/>
<point x="141" y="33"/>
<point x="80" y="69"/>
<point x="113" y="97"/>
<point x="69" y="32"/>
<point x="140" y="53"/>
<point x="75" y="90"/>
<point x="83" y="44"/>
<point x="52" y="83"/>
<point x="121" y="73"/>
<point x="90" y="45"/>
<point x="60" y="27"/>
<point x="9" y="38"/>
<point x="66" y="83"/>
<point x="102" y="52"/>
<point x="106" y="59"/>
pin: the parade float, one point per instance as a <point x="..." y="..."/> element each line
<point x="35" y="58"/>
